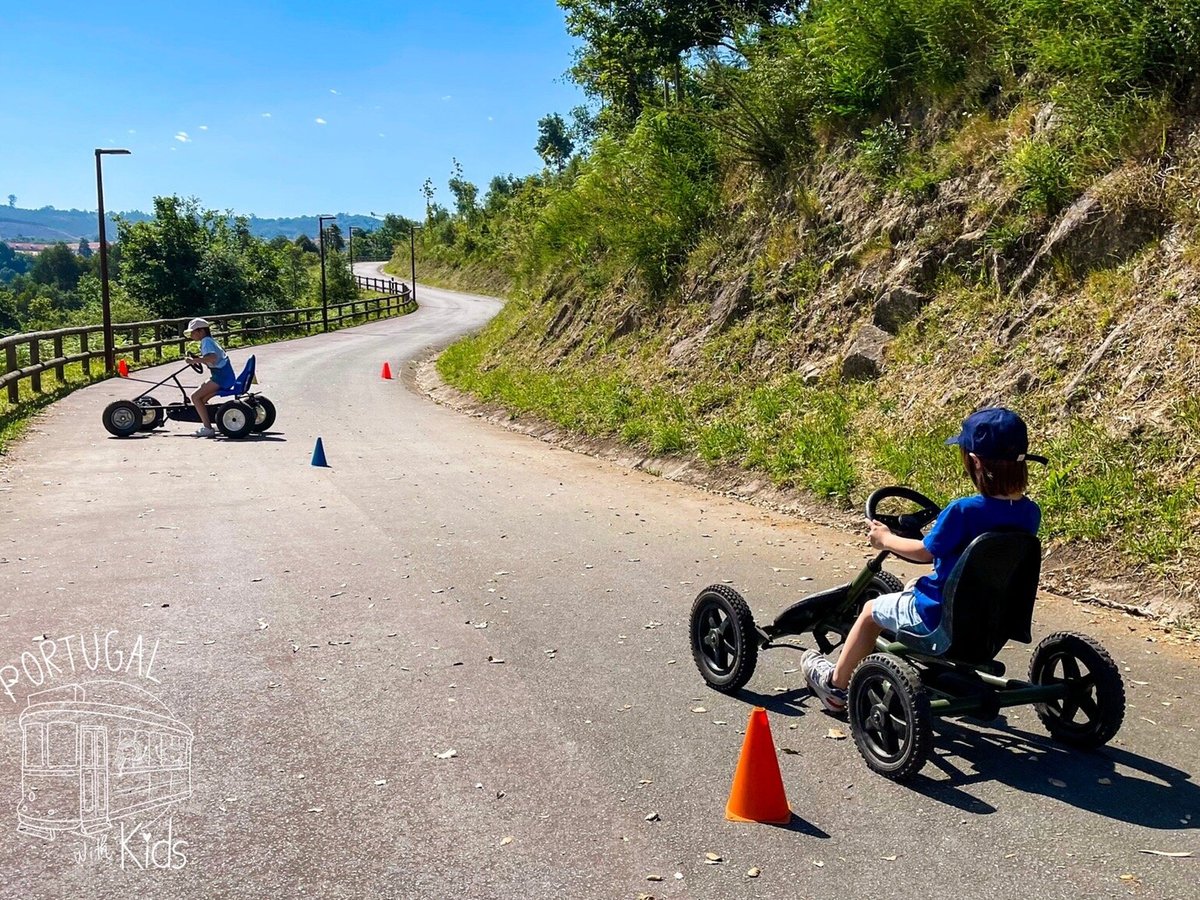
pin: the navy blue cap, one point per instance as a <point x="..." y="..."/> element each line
<point x="996" y="433"/>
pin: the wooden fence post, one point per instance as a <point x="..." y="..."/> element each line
<point x="135" y="338"/>
<point x="60" y="371"/>
<point x="35" y="357"/>
<point x="83" y="348"/>
<point x="158" y="350"/>
<point x="10" y="357"/>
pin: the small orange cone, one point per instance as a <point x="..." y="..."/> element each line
<point x="387" y="371"/>
<point x="122" y="368"/>
<point x="757" y="794"/>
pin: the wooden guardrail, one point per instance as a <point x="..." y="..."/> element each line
<point x="30" y="356"/>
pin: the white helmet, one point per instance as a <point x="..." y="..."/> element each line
<point x="196" y="323"/>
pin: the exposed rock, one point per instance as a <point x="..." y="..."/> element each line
<point x="561" y="320"/>
<point x="1090" y="232"/>
<point x="626" y="324"/>
<point x="733" y="300"/>
<point x="864" y="356"/>
<point x="898" y="306"/>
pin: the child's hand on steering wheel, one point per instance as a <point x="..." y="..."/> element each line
<point x="878" y="534"/>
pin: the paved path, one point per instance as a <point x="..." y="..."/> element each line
<point x="322" y="631"/>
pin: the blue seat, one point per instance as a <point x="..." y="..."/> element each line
<point x="241" y="384"/>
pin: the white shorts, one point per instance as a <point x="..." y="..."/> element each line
<point x="898" y="612"/>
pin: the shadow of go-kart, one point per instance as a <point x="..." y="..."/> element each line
<point x="1073" y="683"/>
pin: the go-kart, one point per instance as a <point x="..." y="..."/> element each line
<point x="1073" y="683"/>
<point x="247" y="412"/>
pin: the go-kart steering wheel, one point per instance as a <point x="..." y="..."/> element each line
<point x="908" y="525"/>
<point x="198" y="368"/>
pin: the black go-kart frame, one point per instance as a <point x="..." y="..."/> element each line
<point x="1073" y="683"/>
<point x="245" y="413"/>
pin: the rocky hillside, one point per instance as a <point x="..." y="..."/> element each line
<point x="826" y="311"/>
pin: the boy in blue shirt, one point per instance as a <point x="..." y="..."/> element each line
<point x="994" y="445"/>
<point x="220" y="372"/>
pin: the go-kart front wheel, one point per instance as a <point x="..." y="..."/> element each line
<point x="889" y="716"/>
<point x="235" y="419"/>
<point x="724" y="640"/>
<point x="153" y="416"/>
<point x="264" y="413"/>
<point x="1092" y="712"/>
<point x="122" y="418"/>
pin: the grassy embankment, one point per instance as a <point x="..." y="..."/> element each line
<point x="1005" y="190"/>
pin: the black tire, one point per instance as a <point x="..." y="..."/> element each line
<point x="1093" y="713"/>
<point x="152" y="416"/>
<point x="882" y="583"/>
<point x="889" y="716"/>
<point x="122" y="418"/>
<point x="724" y="640"/>
<point x="235" y="419"/>
<point x="264" y="414"/>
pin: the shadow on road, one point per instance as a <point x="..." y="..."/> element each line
<point x="1110" y="782"/>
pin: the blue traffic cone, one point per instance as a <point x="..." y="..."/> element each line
<point x="319" y="455"/>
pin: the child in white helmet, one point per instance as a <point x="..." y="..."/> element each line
<point x="220" y="372"/>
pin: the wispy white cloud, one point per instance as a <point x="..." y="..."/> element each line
<point x="320" y="121"/>
<point x="266" y="115"/>
<point x="133" y="131"/>
<point x="182" y="137"/>
<point x="381" y="134"/>
<point x="448" y="97"/>
<point x="332" y="91"/>
<point x="491" y="118"/>
<point x="204" y="128"/>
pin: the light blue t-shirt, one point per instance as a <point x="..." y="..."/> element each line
<point x="959" y="524"/>
<point x="207" y="346"/>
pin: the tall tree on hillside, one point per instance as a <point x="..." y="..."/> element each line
<point x="85" y="249"/>
<point x="465" y="193"/>
<point x="12" y="200"/>
<point x="629" y="44"/>
<point x="554" y="144"/>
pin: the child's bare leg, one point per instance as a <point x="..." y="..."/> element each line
<point x="859" y="643"/>
<point x="200" y="401"/>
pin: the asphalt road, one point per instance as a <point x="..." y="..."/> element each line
<point x="322" y="632"/>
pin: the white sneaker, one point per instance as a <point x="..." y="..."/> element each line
<point x="205" y="431"/>
<point x="818" y="672"/>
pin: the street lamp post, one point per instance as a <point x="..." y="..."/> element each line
<point x="110" y="362"/>
<point x="412" y="256"/>
<point x="324" y="298"/>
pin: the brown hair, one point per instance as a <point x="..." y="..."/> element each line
<point x="997" y="477"/>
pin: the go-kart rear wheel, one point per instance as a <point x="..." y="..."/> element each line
<point x="889" y="716"/>
<point x="1092" y="712"/>
<point x="724" y="640"/>
<point x="235" y="419"/>
<point x="152" y="416"/>
<point x="122" y="418"/>
<point x="264" y="413"/>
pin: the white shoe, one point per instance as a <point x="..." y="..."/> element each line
<point x="818" y="672"/>
<point x="205" y="431"/>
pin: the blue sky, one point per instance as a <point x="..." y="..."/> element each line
<point x="274" y="108"/>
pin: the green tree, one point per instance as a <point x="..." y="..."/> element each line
<point x="465" y="193"/>
<point x="333" y="238"/>
<point x="554" y="144"/>
<point x="85" y="249"/>
<point x="305" y="243"/>
<point x="57" y="266"/>
<point x="12" y="200"/>
<point x="188" y="261"/>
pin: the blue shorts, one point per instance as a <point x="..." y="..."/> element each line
<point x="222" y="376"/>
<point x="897" y="613"/>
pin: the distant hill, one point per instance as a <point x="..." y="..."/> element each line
<point x="69" y="225"/>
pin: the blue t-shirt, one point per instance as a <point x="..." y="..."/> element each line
<point x="959" y="524"/>
<point x="207" y="346"/>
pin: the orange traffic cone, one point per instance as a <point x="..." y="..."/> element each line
<point x="757" y="794"/>
<point x="387" y="371"/>
<point x="122" y="368"/>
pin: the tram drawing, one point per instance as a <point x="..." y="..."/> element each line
<point x="96" y="752"/>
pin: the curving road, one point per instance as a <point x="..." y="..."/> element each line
<point x="329" y="635"/>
